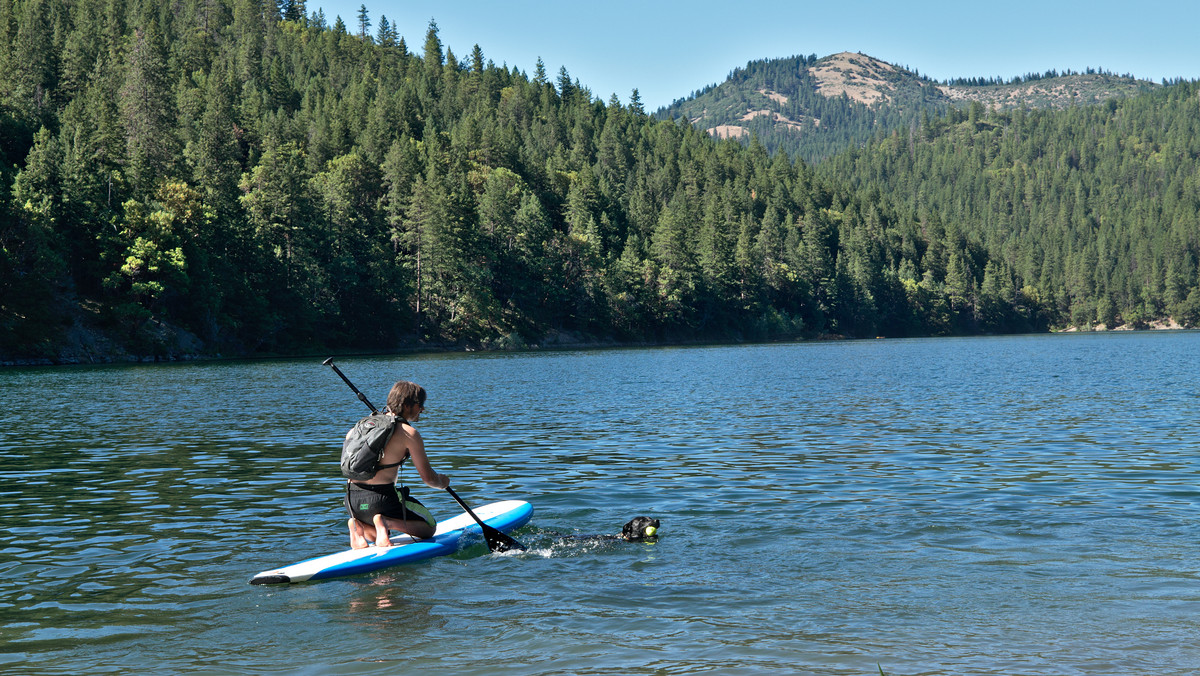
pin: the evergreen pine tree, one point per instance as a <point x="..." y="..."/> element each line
<point x="364" y="22"/>
<point x="146" y="111"/>
<point x="433" y="51"/>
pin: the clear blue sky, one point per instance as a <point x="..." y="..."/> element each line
<point x="668" y="49"/>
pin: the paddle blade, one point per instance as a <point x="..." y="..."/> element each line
<point x="496" y="541"/>
<point x="499" y="542"/>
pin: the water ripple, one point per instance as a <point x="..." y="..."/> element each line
<point x="1008" y="505"/>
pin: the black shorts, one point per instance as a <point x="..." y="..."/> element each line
<point x="364" y="501"/>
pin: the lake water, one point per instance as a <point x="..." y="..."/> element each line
<point x="1015" y="505"/>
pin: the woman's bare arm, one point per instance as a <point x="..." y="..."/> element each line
<point x="416" y="450"/>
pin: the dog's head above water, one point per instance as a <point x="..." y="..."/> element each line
<point x="640" y="529"/>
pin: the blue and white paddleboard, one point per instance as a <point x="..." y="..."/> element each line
<point x="503" y="516"/>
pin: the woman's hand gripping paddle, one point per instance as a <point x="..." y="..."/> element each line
<point x="496" y="541"/>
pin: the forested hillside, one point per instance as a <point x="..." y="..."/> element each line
<point x="813" y="108"/>
<point x="810" y="108"/>
<point x="1092" y="213"/>
<point x="234" y="177"/>
<point x="267" y="183"/>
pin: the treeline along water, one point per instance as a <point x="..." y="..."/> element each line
<point x="1021" y="505"/>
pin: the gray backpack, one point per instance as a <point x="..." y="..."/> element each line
<point x="363" y="448"/>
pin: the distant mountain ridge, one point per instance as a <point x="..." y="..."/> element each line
<point x="815" y="107"/>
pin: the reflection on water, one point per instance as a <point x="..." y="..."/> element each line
<point x="1006" y="505"/>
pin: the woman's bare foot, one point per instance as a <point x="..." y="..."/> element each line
<point x="381" y="532"/>
<point x="357" y="541"/>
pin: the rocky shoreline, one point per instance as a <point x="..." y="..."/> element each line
<point x="84" y="346"/>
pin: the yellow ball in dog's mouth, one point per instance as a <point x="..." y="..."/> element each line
<point x="650" y="531"/>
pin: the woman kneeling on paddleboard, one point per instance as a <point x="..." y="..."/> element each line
<point x="374" y="505"/>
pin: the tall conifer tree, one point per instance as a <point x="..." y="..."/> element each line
<point x="147" y="111"/>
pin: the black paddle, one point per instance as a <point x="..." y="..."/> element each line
<point x="496" y="541"/>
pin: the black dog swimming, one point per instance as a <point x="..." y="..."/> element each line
<point x="639" y="529"/>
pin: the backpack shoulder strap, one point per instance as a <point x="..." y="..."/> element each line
<point x="399" y="421"/>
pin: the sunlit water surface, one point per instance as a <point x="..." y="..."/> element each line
<point x="1023" y="505"/>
